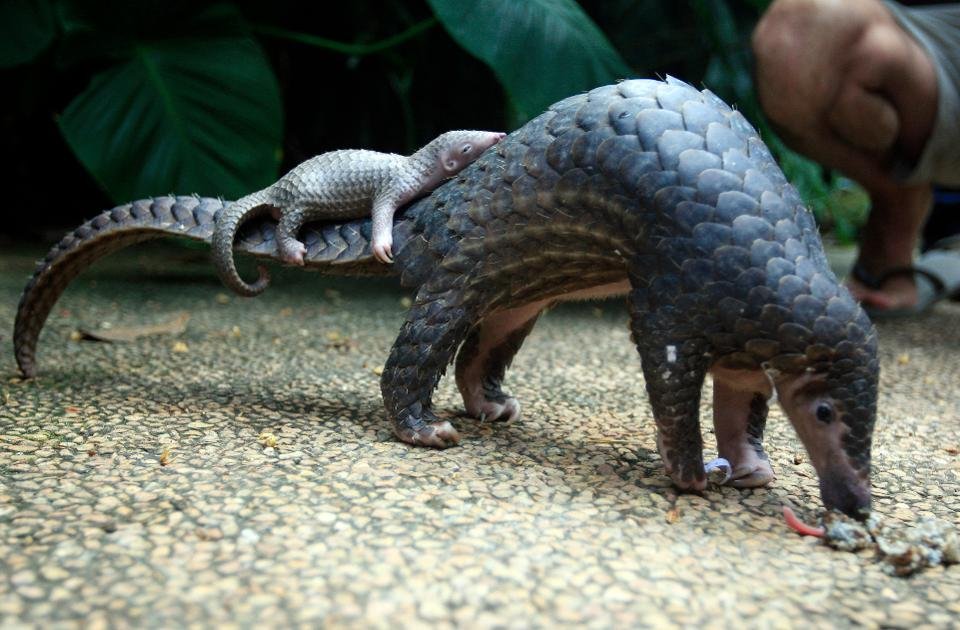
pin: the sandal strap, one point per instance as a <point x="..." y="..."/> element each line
<point x="876" y="283"/>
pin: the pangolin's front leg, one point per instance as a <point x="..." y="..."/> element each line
<point x="674" y="367"/>
<point x="739" y="419"/>
<point x="438" y="321"/>
<point x="384" y="206"/>
<point x="484" y="358"/>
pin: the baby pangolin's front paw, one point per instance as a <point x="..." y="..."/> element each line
<point x="383" y="250"/>
<point x="293" y="252"/>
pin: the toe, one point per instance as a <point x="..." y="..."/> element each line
<point x="751" y="476"/>
<point x="689" y="482"/>
<point x="511" y="410"/>
<point x="486" y="410"/>
<point x="440" y="434"/>
<point x="382" y="253"/>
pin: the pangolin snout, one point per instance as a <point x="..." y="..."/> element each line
<point x="850" y="496"/>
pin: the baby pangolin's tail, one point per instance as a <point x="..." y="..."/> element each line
<point x="228" y="222"/>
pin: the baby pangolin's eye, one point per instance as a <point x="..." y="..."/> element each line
<point x="466" y="148"/>
<point x="824" y="413"/>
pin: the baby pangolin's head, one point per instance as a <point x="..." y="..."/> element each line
<point x="460" y="148"/>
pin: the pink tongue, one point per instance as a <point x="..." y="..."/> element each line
<point x="799" y="526"/>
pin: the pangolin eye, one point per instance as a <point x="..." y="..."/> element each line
<point x="466" y="148"/>
<point x="824" y="413"/>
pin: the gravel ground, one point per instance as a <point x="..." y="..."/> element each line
<point x="243" y="472"/>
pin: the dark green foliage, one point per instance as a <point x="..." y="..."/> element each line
<point x="187" y="113"/>
<point x="159" y="96"/>
<point x="540" y="50"/>
<point x="26" y="29"/>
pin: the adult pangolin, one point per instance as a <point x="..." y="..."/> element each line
<point x="646" y="188"/>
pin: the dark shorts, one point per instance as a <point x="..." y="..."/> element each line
<point x="937" y="29"/>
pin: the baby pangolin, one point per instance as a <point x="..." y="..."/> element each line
<point x="344" y="184"/>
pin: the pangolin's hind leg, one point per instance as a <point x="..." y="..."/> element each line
<point x="674" y="368"/>
<point x="484" y="357"/>
<point x="437" y="323"/>
<point x="739" y="418"/>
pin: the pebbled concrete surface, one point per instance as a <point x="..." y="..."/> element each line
<point x="243" y="472"/>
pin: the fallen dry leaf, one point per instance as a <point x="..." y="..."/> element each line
<point x="338" y="342"/>
<point x="166" y="456"/>
<point x="953" y="450"/>
<point x="673" y="515"/>
<point x="173" y="326"/>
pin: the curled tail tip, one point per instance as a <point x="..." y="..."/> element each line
<point x="254" y="288"/>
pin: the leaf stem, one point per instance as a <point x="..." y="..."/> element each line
<point x="346" y="48"/>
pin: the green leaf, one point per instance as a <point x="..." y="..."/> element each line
<point x="185" y="115"/>
<point x="540" y="50"/>
<point x="26" y="29"/>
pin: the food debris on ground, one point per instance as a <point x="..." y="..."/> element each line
<point x="267" y="439"/>
<point x="904" y="550"/>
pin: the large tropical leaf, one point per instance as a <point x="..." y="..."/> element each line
<point x="26" y="29"/>
<point x="184" y="114"/>
<point x="540" y="50"/>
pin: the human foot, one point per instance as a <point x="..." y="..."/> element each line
<point x="887" y="291"/>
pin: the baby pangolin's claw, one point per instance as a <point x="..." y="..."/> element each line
<point x="383" y="252"/>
